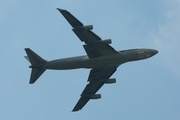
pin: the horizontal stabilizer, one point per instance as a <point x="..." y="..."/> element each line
<point x="33" y="57"/>
<point x="35" y="74"/>
<point x="35" y="60"/>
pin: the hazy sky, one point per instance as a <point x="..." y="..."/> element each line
<point x="145" y="90"/>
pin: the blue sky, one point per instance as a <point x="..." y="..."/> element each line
<point x="148" y="89"/>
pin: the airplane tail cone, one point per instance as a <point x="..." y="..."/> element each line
<point x="35" y="61"/>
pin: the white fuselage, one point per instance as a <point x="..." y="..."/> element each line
<point x="104" y="61"/>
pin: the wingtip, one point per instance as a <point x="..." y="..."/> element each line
<point x="59" y="9"/>
<point x="31" y="82"/>
<point x="74" y="110"/>
<point x="26" y="48"/>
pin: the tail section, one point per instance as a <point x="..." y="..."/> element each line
<point x="35" y="74"/>
<point x="33" y="58"/>
<point x="35" y="61"/>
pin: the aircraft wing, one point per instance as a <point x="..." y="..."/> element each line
<point x="97" y="78"/>
<point x="94" y="46"/>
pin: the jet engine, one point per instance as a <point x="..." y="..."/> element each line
<point x="95" y="96"/>
<point x="110" y="81"/>
<point x="86" y="27"/>
<point x="107" y="41"/>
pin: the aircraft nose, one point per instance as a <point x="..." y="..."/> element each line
<point x="155" y="52"/>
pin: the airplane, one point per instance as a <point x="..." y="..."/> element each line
<point x="101" y="58"/>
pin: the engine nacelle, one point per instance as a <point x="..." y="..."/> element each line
<point x="96" y="96"/>
<point x="86" y="27"/>
<point x="107" y="41"/>
<point x="110" y="81"/>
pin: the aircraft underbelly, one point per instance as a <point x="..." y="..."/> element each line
<point x="85" y="62"/>
<point x="63" y="64"/>
<point x="105" y="61"/>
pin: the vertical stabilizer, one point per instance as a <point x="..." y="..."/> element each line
<point x="35" y="60"/>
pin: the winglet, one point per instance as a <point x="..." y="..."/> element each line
<point x="26" y="57"/>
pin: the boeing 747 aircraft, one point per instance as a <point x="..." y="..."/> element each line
<point x="101" y="58"/>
